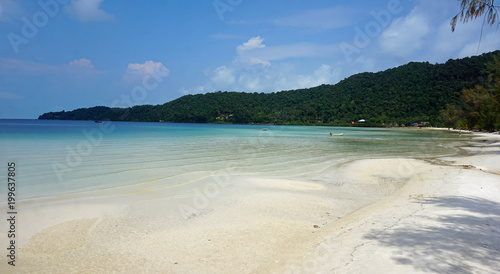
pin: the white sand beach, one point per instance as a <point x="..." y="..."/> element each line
<point x="370" y="216"/>
<point x="446" y="219"/>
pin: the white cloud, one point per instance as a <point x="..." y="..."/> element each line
<point x="444" y="44"/>
<point x="257" y="61"/>
<point x="447" y="41"/>
<point x="82" y="63"/>
<point x="248" y="50"/>
<point x="223" y="76"/>
<point x="149" y="67"/>
<point x="254" y="52"/>
<point x="323" y="75"/>
<point x="425" y="35"/>
<point x="406" y="34"/>
<point x="88" y="10"/>
<point x="265" y="79"/>
<point x="137" y="72"/>
<point x="284" y="77"/>
<point x="255" y="72"/>
<point x="252" y="70"/>
<point x="283" y="52"/>
<point x="489" y="42"/>
<point x="253" y="43"/>
<point x="82" y="67"/>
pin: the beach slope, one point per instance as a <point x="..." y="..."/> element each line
<point x="446" y="219"/>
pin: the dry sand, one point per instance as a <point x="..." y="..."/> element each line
<point x="370" y="216"/>
<point x="446" y="219"/>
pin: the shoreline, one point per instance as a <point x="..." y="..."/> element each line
<point x="367" y="216"/>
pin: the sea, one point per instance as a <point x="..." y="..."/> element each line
<point x="60" y="158"/>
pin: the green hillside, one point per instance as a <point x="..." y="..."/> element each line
<point x="414" y="92"/>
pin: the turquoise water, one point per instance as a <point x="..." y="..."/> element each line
<point x="61" y="157"/>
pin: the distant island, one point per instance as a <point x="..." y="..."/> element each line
<point x="418" y="92"/>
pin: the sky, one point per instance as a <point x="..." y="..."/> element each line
<point x="66" y="54"/>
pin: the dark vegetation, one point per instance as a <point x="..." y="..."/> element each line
<point x="479" y="108"/>
<point x="440" y="94"/>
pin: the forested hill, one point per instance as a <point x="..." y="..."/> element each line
<point x="414" y="92"/>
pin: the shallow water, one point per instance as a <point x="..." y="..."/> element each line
<point x="63" y="157"/>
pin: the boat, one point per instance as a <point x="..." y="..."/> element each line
<point x="97" y="121"/>
<point x="263" y="129"/>
<point x="339" y="134"/>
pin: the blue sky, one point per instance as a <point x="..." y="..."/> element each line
<point x="65" y="54"/>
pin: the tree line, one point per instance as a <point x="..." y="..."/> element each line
<point x="412" y="93"/>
